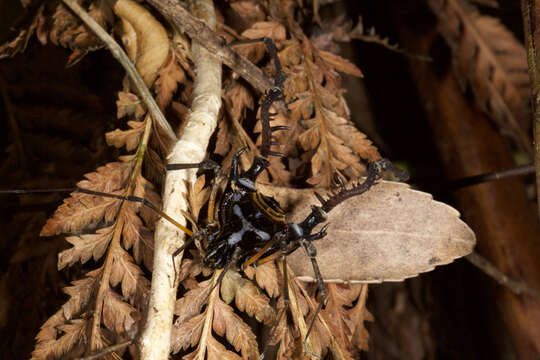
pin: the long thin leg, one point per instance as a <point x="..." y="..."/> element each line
<point x="139" y="200"/>
<point x="204" y="165"/>
<point x="312" y="254"/>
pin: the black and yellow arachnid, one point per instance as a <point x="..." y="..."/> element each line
<point x="251" y="228"/>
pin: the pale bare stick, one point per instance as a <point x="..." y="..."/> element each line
<point x="123" y="59"/>
<point x="190" y="148"/>
<point x="518" y="287"/>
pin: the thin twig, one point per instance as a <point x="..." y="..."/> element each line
<point x="190" y="148"/>
<point x="518" y="287"/>
<point x="492" y="176"/>
<point x="123" y="59"/>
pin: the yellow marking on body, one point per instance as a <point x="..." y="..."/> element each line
<point x="275" y="214"/>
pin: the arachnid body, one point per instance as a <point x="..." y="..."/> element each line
<point x="251" y="226"/>
<point x="248" y="227"/>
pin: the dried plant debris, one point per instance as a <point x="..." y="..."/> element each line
<point x="422" y="234"/>
<point x="59" y="26"/>
<point x="110" y="240"/>
<point x="321" y="131"/>
<point x="488" y="58"/>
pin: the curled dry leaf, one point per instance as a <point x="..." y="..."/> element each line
<point x="152" y="38"/>
<point x="389" y="233"/>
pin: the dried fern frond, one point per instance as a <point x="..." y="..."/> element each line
<point x="488" y="58"/>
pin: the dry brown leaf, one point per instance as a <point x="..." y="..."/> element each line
<point x="358" y="315"/>
<point x="85" y="247"/>
<point x="186" y="335"/>
<point x="487" y="56"/>
<point x="192" y="302"/>
<point x="19" y="43"/>
<point x="224" y="138"/>
<point x="266" y="277"/>
<point x="69" y="335"/>
<point x="152" y="38"/>
<point x="247" y="297"/>
<point x="237" y="100"/>
<point x="218" y="352"/>
<point x="268" y="29"/>
<point x="80" y="294"/>
<point x="189" y="268"/>
<point x="198" y="196"/>
<point x="227" y="324"/>
<point x="169" y="76"/>
<point x="81" y="210"/>
<point x="389" y="233"/>
<point x="125" y="272"/>
<point x="129" y="104"/>
<point x="248" y="11"/>
<point x="351" y="136"/>
<point x="128" y="138"/>
<point x="336" y="315"/>
<point x="340" y="64"/>
<point x="117" y="314"/>
<point x="68" y="31"/>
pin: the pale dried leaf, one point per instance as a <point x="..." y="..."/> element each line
<point x="217" y="351"/>
<point x="247" y="297"/>
<point x="269" y="29"/>
<point x="192" y="302"/>
<point x="340" y="64"/>
<point x="267" y="278"/>
<point x="129" y="104"/>
<point x="248" y="10"/>
<point x="152" y="38"/>
<point x="82" y="210"/>
<point x="389" y="233"/>
<point x="85" y="247"/>
<point x="229" y="325"/>
<point x="70" y="335"/>
<point x="187" y="334"/>
<point x="169" y="76"/>
<point x="237" y="100"/>
<point x="128" y="138"/>
<point x="126" y="272"/>
<point x="117" y="314"/>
